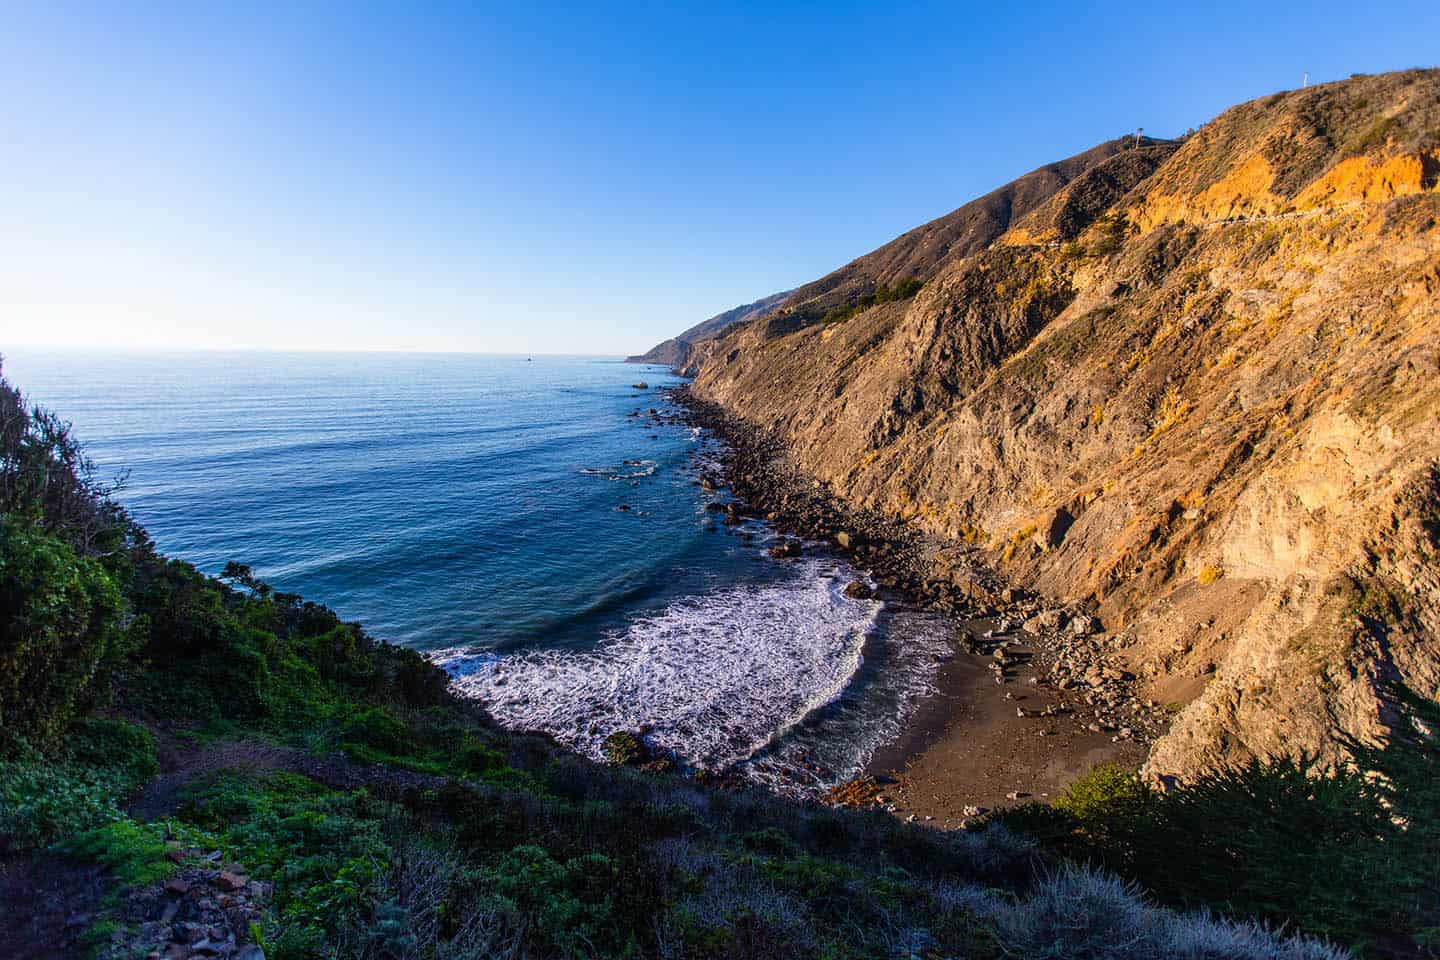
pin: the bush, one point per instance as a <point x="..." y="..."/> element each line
<point x="378" y="728"/>
<point x="126" y="749"/>
<point x="1350" y="855"/>
<point x="59" y="631"/>
<point x="568" y="904"/>
<point x="1106" y="791"/>
<point x="42" y="802"/>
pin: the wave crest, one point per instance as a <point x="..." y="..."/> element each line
<point x="717" y="678"/>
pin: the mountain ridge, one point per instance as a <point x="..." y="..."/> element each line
<point x="676" y="350"/>
<point x="1187" y="383"/>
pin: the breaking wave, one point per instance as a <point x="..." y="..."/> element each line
<point x="760" y="679"/>
<point x="630" y="470"/>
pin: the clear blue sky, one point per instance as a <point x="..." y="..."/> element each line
<point x="545" y="178"/>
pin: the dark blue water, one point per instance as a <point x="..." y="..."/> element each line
<point x="514" y="519"/>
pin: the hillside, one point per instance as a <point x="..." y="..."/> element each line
<point x="1192" y="385"/>
<point x="676" y="350"/>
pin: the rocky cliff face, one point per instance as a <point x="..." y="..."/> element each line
<point x="1195" y="384"/>
<point x="676" y="350"/>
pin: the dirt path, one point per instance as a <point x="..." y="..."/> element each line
<point x="182" y="762"/>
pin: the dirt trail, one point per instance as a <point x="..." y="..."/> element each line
<point x="182" y="762"/>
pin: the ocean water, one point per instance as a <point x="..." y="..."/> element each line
<point x="517" y="521"/>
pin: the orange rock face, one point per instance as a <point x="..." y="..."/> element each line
<point x="1216" y="359"/>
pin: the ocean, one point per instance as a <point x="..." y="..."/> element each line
<point x="527" y="523"/>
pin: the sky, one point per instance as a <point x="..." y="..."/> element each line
<point x="575" y="178"/>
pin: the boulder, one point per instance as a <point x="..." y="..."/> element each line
<point x="1046" y="621"/>
<point x="786" y="548"/>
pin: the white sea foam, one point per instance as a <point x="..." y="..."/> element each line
<point x="733" y="677"/>
<point x="631" y="470"/>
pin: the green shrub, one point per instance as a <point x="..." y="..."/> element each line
<point x="1375" y="136"/>
<point x="568" y="904"/>
<point x="126" y="749"/>
<point x="475" y="757"/>
<point x="42" y="802"/>
<point x="902" y="290"/>
<point x="59" y="631"/>
<point x="1106" y="791"/>
<point x="378" y="728"/>
<point x="1350" y="855"/>
<point x="134" y="852"/>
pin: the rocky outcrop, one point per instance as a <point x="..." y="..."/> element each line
<point x="1195" y="386"/>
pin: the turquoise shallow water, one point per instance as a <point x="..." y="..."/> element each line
<point x="512" y="518"/>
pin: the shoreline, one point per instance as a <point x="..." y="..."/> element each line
<point x="1017" y="714"/>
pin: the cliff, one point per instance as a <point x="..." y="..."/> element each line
<point x="1192" y="384"/>
<point x="676" y="350"/>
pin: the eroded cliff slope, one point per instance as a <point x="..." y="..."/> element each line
<point x="1195" y="384"/>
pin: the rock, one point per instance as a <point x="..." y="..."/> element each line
<point x="642" y="385"/>
<point x="859" y="590"/>
<point x="1085" y="625"/>
<point x="250" y="952"/>
<point x="1046" y="621"/>
<point x="844" y="539"/>
<point x="786" y="548"/>
<point x="231" y="880"/>
<point x="177" y="887"/>
<point x="1051" y="529"/>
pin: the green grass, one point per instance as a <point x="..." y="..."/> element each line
<point x="134" y="852"/>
